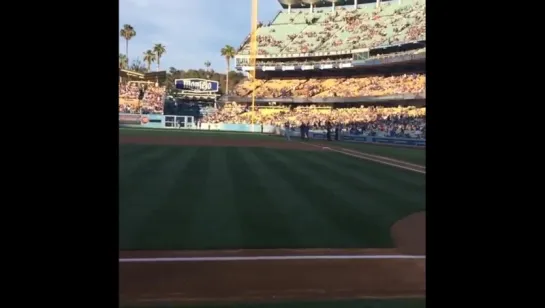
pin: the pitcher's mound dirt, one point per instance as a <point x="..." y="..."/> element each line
<point x="409" y="234"/>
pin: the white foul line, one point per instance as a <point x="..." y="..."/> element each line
<point x="267" y="258"/>
<point x="384" y="158"/>
<point x="364" y="156"/>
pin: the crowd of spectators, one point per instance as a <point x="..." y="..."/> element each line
<point x="331" y="87"/>
<point x="129" y="90"/>
<point x="128" y="98"/>
<point x="140" y="98"/>
<point x="382" y="121"/>
<point x="153" y="101"/>
<point x="230" y="113"/>
<point x="302" y="31"/>
<point x="297" y="61"/>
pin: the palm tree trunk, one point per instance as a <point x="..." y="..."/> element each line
<point x="227" y="78"/>
<point x="158" y="63"/>
<point x="127" y="51"/>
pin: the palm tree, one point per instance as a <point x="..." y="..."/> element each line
<point x="159" y="50"/>
<point x="127" y="33"/>
<point x="207" y="64"/>
<point x="229" y="53"/>
<point x="149" y="58"/>
<point x="123" y="63"/>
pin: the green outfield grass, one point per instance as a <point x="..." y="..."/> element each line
<point x="174" y="197"/>
<point x="369" y="303"/>
<point x="416" y="156"/>
<point x="411" y="155"/>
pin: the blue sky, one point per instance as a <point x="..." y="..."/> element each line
<point x="192" y="31"/>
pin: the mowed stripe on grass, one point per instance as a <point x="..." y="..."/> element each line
<point x="227" y="198"/>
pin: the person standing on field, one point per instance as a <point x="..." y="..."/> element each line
<point x="287" y="130"/>
<point x="302" y="129"/>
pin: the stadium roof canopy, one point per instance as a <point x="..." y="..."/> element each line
<point x="151" y="76"/>
<point x="156" y="76"/>
<point x="298" y="4"/>
<point x="126" y="73"/>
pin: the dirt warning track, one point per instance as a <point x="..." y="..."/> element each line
<point x="152" y="283"/>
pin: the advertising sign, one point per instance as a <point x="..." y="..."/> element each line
<point x="152" y="120"/>
<point x="129" y="118"/>
<point x="197" y="85"/>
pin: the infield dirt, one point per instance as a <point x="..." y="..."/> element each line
<point x="154" y="283"/>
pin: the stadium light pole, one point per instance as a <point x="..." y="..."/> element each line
<point x="253" y="55"/>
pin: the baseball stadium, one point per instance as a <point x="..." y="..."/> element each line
<point x="299" y="183"/>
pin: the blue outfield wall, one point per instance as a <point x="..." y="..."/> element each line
<point x="153" y="121"/>
<point x="142" y="120"/>
<point x="158" y="121"/>
<point x="267" y="129"/>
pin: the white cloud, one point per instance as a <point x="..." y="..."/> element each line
<point x="192" y="31"/>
